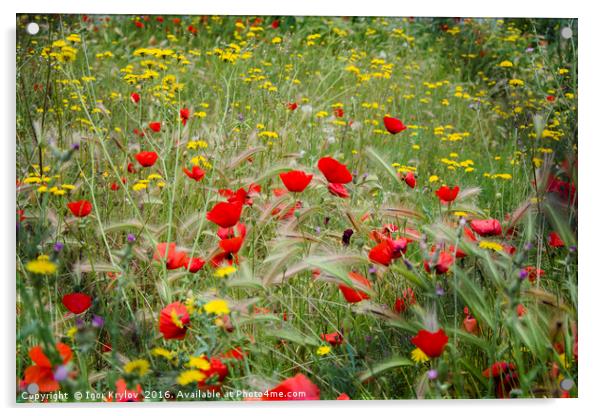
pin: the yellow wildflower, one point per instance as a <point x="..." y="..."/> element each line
<point x="140" y="367"/>
<point x="190" y="376"/>
<point x="217" y="307"/>
<point x="41" y="266"/>
<point x="323" y="350"/>
<point x="419" y="356"/>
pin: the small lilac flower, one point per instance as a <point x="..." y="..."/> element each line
<point x="573" y="249"/>
<point x="58" y="246"/>
<point x="439" y="290"/>
<point x="79" y="323"/>
<point x="528" y="246"/>
<point x="522" y="275"/>
<point x="75" y="146"/>
<point x="98" y="321"/>
<point x="131" y="238"/>
<point x="432" y="374"/>
<point x="61" y="373"/>
<point x="462" y="221"/>
<point x="372" y="270"/>
<point x="529" y="50"/>
<point x="318" y="230"/>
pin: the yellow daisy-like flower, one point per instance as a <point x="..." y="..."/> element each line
<point x="491" y="245"/>
<point x="162" y="352"/>
<point x="419" y="356"/>
<point x="506" y="64"/>
<point x="200" y="363"/>
<point x="217" y="307"/>
<point x="433" y="178"/>
<point x="190" y="376"/>
<point x="323" y="350"/>
<point x="71" y="332"/>
<point x="224" y="271"/>
<point x="41" y="266"/>
<point x="516" y="82"/>
<point x="139" y="186"/>
<point x="140" y="367"/>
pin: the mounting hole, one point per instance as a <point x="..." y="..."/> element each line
<point x="566" y="32"/>
<point x="32" y="28"/>
<point x="567" y="384"/>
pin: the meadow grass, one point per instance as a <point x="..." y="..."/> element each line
<point x="489" y="105"/>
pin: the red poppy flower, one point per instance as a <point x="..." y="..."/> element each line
<point x="554" y="240"/>
<point x="155" y="126"/>
<point x="444" y="262"/>
<point x="447" y="194"/>
<point x="195" y="264"/>
<point x="334" y="338"/>
<point x="168" y="252"/>
<point x="431" y="343"/>
<point x="338" y="112"/>
<point x="196" y="173"/>
<point x="382" y="253"/>
<point x="409" y="299"/>
<point x="214" y="376"/>
<point x="192" y="29"/>
<point x="115" y="186"/>
<point x="398" y="246"/>
<point x="565" y="190"/>
<point x="225" y="214"/>
<point x="184" y="115"/>
<point x="469" y="234"/>
<point x="131" y="168"/>
<point x="470" y="323"/>
<point x="550" y="98"/>
<point x="176" y="21"/>
<point x="534" y="273"/>
<point x="81" y="208"/>
<point x="521" y="310"/>
<point x="298" y="387"/>
<point x="123" y="394"/>
<point x="393" y="125"/>
<point x="241" y="195"/>
<point x="232" y="245"/>
<point x="296" y="180"/>
<point x="505" y="377"/>
<point x="234" y="354"/>
<point x="135" y="97"/>
<point x="159" y="19"/>
<point x="334" y="171"/>
<point x="292" y="106"/>
<point x="139" y="24"/>
<point x="486" y="228"/>
<point x="147" y="159"/>
<point x="174" y="321"/>
<point x="343" y="396"/>
<point x="41" y="372"/>
<point x="338" y="189"/>
<point x="77" y="302"/>
<point x="353" y="295"/>
<point x="275" y="24"/>
<point x="410" y="179"/>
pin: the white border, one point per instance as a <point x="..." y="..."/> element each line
<point x="590" y="106"/>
